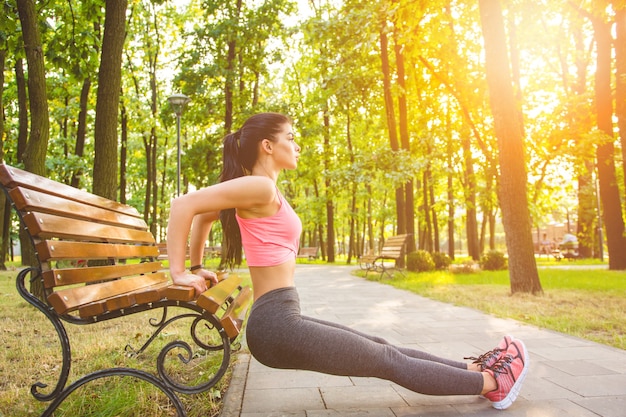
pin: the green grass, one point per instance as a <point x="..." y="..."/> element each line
<point x="31" y="353"/>
<point x="588" y="303"/>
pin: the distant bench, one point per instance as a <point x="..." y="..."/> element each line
<point x="209" y="251"/>
<point x="393" y="250"/>
<point x="98" y="261"/>
<point x="309" y="252"/>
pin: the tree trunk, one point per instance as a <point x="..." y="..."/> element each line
<point x="231" y="63"/>
<point x="34" y="156"/>
<point x="123" y="152"/>
<point x="620" y="75"/>
<point x="81" y="130"/>
<point x="5" y="206"/>
<point x="108" y="98"/>
<point x="450" y="190"/>
<point x="471" y="224"/>
<point x="427" y="239"/>
<point x="512" y="191"/>
<point x="391" y="121"/>
<point x="35" y="152"/>
<point x="409" y="205"/>
<point x="605" y="152"/>
<point x="586" y="212"/>
<point x="588" y="243"/>
<point x="330" y="208"/>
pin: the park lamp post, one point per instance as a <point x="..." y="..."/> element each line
<point x="178" y="101"/>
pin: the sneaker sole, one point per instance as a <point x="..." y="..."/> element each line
<point x="507" y="401"/>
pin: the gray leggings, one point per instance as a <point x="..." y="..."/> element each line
<point x="278" y="336"/>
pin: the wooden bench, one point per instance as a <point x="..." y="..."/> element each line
<point x="97" y="261"/>
<point x="309" y="252"/>
<point x="393" y="250"/>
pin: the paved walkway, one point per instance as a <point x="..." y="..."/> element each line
<point x="567" y="377"/>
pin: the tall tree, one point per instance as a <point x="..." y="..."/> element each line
<point x="5" y="207"/>
<point x="108" y="97"/>
<point x="391" y="118"/>
<point x="605" y="151"/>
<point x="34" y="156"/>
<point x="620" y="74"/>
<point x="404" y="141"/>
<point x="513" y="178"/>
<point x="35" y="153"/>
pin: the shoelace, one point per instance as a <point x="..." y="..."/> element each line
<point x="503" y="366"/>
<point x="485" y="357"/>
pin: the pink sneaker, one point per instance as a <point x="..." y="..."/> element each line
<point x="509" y="373"/>
<point x="487" y="359"/>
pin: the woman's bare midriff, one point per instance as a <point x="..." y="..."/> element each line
<point x="268" y="278"/>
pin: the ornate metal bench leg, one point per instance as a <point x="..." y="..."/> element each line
<point x="224" y="347"/>
<point x="135" y="373"/>
<point x="58" y="326"/>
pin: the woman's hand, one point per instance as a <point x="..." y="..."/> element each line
<point x="198" y="283"/>
<point x="207" y="275"/>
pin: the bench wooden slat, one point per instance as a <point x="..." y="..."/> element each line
<point x="92" y="309"/>
<point x="151" y="294"/>
<point x="53" y="250"/>
<point x="145" y="295"/>
<point x="179" y="293"/>
<point x="70" y="299"/>
<point x="45" y="226"/>
<point x="391" y="253"/>
<point x="214" y="297"/>
<point x="67" y="276"/>
<point x="12" y="177"/>
<point x="235" y="314"/>
<point x="120" y="301"/>
<point x="32" y="200"/>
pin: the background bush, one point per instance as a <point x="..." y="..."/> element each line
<point x="442" y="260"/>
<point x="493" y="261"/>
<point x="420" y="261"/>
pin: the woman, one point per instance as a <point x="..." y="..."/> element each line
<point x="255" y="215"/>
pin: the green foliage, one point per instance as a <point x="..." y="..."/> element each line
<point x="420" y="261"/>
<point x="441" y="260"/>
<point x="493" y="261"/>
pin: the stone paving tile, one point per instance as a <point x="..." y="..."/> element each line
<point x="282" y="400"/>
<point x="363" y="396"/>
<point x="427" y="411"/>
<point x="593" y="386"/>
<point x="605" y="406"/>
<point x="352" y="412"/>
<point x="522" y="408"/>
<point x="295" y="379"/>
<point x="580" y="368"/>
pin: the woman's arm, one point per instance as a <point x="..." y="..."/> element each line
<point x="200" y="229"/>
<point x="248" y="193"/>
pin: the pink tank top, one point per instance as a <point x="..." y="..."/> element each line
<point x="273" y="240"/>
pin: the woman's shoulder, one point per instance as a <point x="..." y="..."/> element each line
<point x="256" y="189"/>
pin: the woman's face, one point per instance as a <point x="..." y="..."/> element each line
<point x="286" y="151"/>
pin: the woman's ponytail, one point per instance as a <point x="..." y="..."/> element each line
<point x="231" y="254"/>
<point x="231" y="166"/>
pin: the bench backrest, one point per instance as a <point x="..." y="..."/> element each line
<point x="89" y="248"/>
<point x="394" y="246"/>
